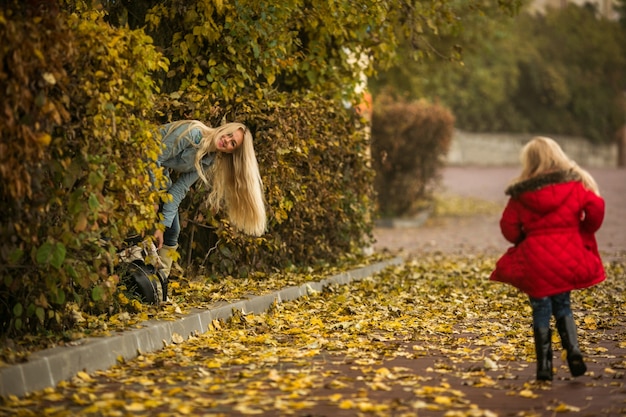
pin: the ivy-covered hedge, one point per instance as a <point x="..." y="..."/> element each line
<point x="76" y="145"/>
<point x="409" y="141"/>
<point x="85" y="87"/>
<point x="314" y="159"/>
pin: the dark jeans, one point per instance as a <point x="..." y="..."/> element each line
<point x="170" y="236"/>
<point x="556" y="305"/>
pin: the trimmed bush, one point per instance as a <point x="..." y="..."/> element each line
<point x="409" y="140"/>
<point x="314" y="160"/>
<point x="76" y="148"/>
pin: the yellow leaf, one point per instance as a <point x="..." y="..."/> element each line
<point x="43" y="139"/>
<point x="564" y="408"/>
<point x="213" y="364"/>
<point x="346" y="404"/>
<point x="134" y="407"/>
<point x="54" y="397"/>
<point x="174" y="391"/>
<point x="177" y="339"/>
<point x="447" y="401"/>
<point x="590" y="322"/>
<point x="215" y="325"/>
<point x="184" y="409"/>
<point x="84" y="376"/>
<point x="316" y="321"/>
<point x="335" y="397"/>
<point x="244" y="409"/>
<point x="336" y="384"/>
<point x="526" y="393"/>
<point x="273" y="375"/>
<point x="380" y="386"/>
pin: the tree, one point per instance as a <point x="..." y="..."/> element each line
<point x="562" y="73"/>
<point x="250" y="45"/>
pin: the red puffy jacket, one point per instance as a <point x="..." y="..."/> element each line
<point x="551" y="219"/>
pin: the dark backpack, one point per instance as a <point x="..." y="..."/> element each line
<point x="145" y="281"/>
<point x="141" y="277"/>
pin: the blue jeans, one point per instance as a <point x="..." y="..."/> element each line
<point x="543" y="308"/>
<point x="170" y="236"/>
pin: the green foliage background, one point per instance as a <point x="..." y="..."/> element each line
<point x="559" y="73"/>
<point x="87" y="82"/>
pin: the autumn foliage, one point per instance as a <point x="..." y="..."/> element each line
<point x="76" y="150"/>
<point x="87" y="82"/>
<point x="432" y="337"/>
<point x="83" y="100"/>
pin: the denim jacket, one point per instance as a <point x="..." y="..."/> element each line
<point x="178" y="155"/>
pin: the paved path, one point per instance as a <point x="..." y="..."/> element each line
<point x="462" y="235"/>
<point x="481" y="233"/>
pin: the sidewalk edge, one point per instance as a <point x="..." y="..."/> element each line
<point x="47" y="368"/>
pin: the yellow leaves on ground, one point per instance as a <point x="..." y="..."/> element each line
<point x="527" y="394"/>
<point x="564" y="408"/>
<point x="590" y="322"/>
<point x="386" y="345"/>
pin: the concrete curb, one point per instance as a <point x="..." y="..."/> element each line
<point x="49" y="367"/>
<point x="405" y="222"/>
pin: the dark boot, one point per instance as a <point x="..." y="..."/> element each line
<point x="569" y="339"/>
<point x="543" y="348"/>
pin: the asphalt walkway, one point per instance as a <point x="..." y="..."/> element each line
<point x="481" y="233"/>
<point x="463" y="235"/>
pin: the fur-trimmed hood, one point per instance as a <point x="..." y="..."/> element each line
<point x="540" y="181"/>
<point x="545" y="193"/>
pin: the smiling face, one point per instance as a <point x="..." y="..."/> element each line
<point x="230" y="142"/>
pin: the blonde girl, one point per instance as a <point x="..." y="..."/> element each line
<point x="224" y="159"/>
<point x="552" y="214"/>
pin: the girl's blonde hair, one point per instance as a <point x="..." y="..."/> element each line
<point x="542" y="155"/>
<point x="235" y="180"/>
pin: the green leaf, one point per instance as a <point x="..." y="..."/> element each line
<point x="41" y="314"/>
<point x="51" y="254"/>
<point x="58" y="255"/>
<point x="225" y="250"/>
<point x="71" y="271"/>
<point x="93" y="202"/>
<point x="15" y="256"/>
<point x="59" y="297"/>
<point x="97" y="293"/>
<point x="18" y="309"/>
<point x="44" y="253"/>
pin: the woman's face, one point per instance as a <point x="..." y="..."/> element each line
<point x="230" y="142"/>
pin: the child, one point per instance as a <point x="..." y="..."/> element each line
<point x="551" y="217"/>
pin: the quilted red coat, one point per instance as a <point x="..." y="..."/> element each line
<point x="551" y="220"/>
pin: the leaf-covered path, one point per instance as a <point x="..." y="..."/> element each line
<point x="430" y="338"/>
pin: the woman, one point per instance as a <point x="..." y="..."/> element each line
<point x="224" y="159"/>
<point x="551" y="217"/>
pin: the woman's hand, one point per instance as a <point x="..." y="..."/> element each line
<point x="158" y="237"/>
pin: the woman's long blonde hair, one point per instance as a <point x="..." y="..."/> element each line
<point x="542" y="155"/>
<point x="235" y="180"/>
